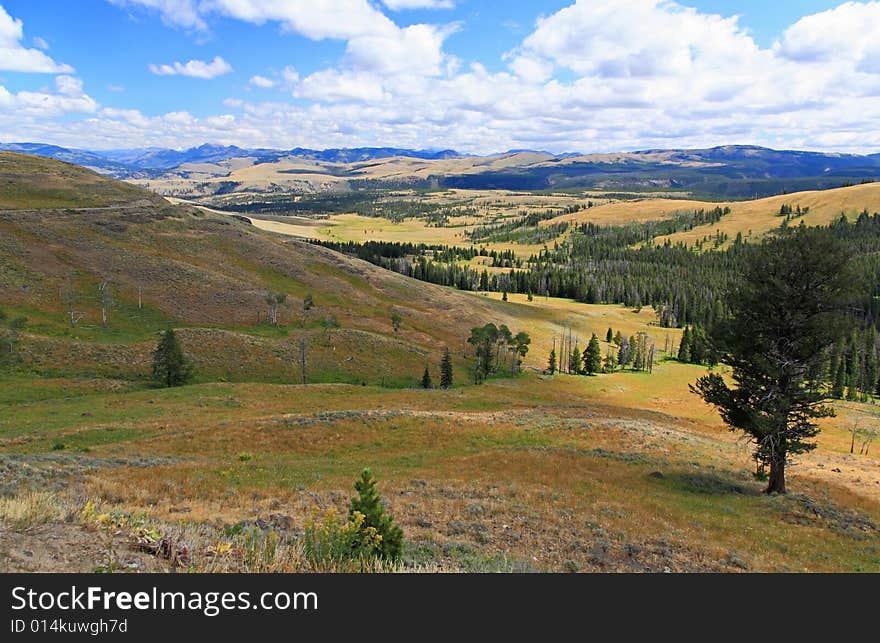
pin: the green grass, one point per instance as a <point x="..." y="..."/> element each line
<point x="525" y="449"/>
<point x="33" y="182"/>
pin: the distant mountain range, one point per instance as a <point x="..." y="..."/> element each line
<point x="731" y="171"/>
<point x="131" y="161"/>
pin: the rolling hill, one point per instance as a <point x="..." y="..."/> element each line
<point x="752" y="217"/>
<point x="194" y="270"/>
<point x="208" y="274"/>
<point x="36" y="182"/>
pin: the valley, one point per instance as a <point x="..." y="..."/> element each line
<point x="530" y="470"/>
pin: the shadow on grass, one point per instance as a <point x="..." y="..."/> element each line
<point x="710" y="484"/>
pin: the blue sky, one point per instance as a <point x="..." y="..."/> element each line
<point x="479" y="76"/>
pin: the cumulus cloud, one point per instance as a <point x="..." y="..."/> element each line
<point x="416" y="49"/>
<point x="399" y="5"/>
<point x="26" y="106"/>
<point x="638" y="39"/>
<point x="373" y="41"/>
<point x="16" y="57"/>
<point x="331" y="85"/>
<point x="69" y="85"/>
<point x="847" y="33"/>
<point x="179" y="13"/>
<point x="194" y="68"/>
<point x="262" y="82"/>
<point x="531" y="69"/>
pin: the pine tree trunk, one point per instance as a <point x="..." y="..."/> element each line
<point x="777" y="474"/>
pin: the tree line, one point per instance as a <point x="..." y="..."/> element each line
<point x="622" y="265"/>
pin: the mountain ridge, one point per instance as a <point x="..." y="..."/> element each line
<point x="720" y="172"/>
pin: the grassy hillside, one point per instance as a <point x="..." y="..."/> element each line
<point x="202" y="271"/>
<point x="28" y="182"/>
<point x="555" y="474"/>
<point x="757" y="216"/>
<point x="209" y="274"/>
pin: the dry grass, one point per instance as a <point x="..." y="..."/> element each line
<point x="549" y="473"/>
<point x="756" y="217"/>
<point x="353" y="227"/>
<point x="30" y="509"/>
<point x="549" y="318"/>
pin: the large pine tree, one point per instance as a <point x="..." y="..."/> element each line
<point x="783" y="314"/>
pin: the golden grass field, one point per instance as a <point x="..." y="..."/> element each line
<point x="489" y="206"/>
<point x="615" y="472"/>
<point x="756" y="217"/>
<point x="751" y="218"/>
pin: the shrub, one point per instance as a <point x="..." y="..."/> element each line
<point x="331" y="543"/>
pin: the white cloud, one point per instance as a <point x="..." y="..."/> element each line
<point x="194" y="68"/>
<point x="374" y="41"/>
<point x="179" y="13"/>
<point x="42" y="106"/>
<point x="331" y="85"/>
<point x="398" y="5"/>
<point x="338" y="19"/>
<point x="848" y="33"/>
<point x="262" y="82"/>
<point x="416" y="49"/>
<point x="531" y="69"/>
<point x="638" y="39"/>
<point x="40" y="43"/>
<point x="15" y="57"/>
<point x="290" y="75"/>
<point x="69" y="85"/>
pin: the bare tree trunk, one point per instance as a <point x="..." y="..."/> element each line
<point x="302" y="361"/>
<point x="106" y="301"/>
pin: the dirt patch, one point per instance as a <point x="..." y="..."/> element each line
<point x="68" y="547"/>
